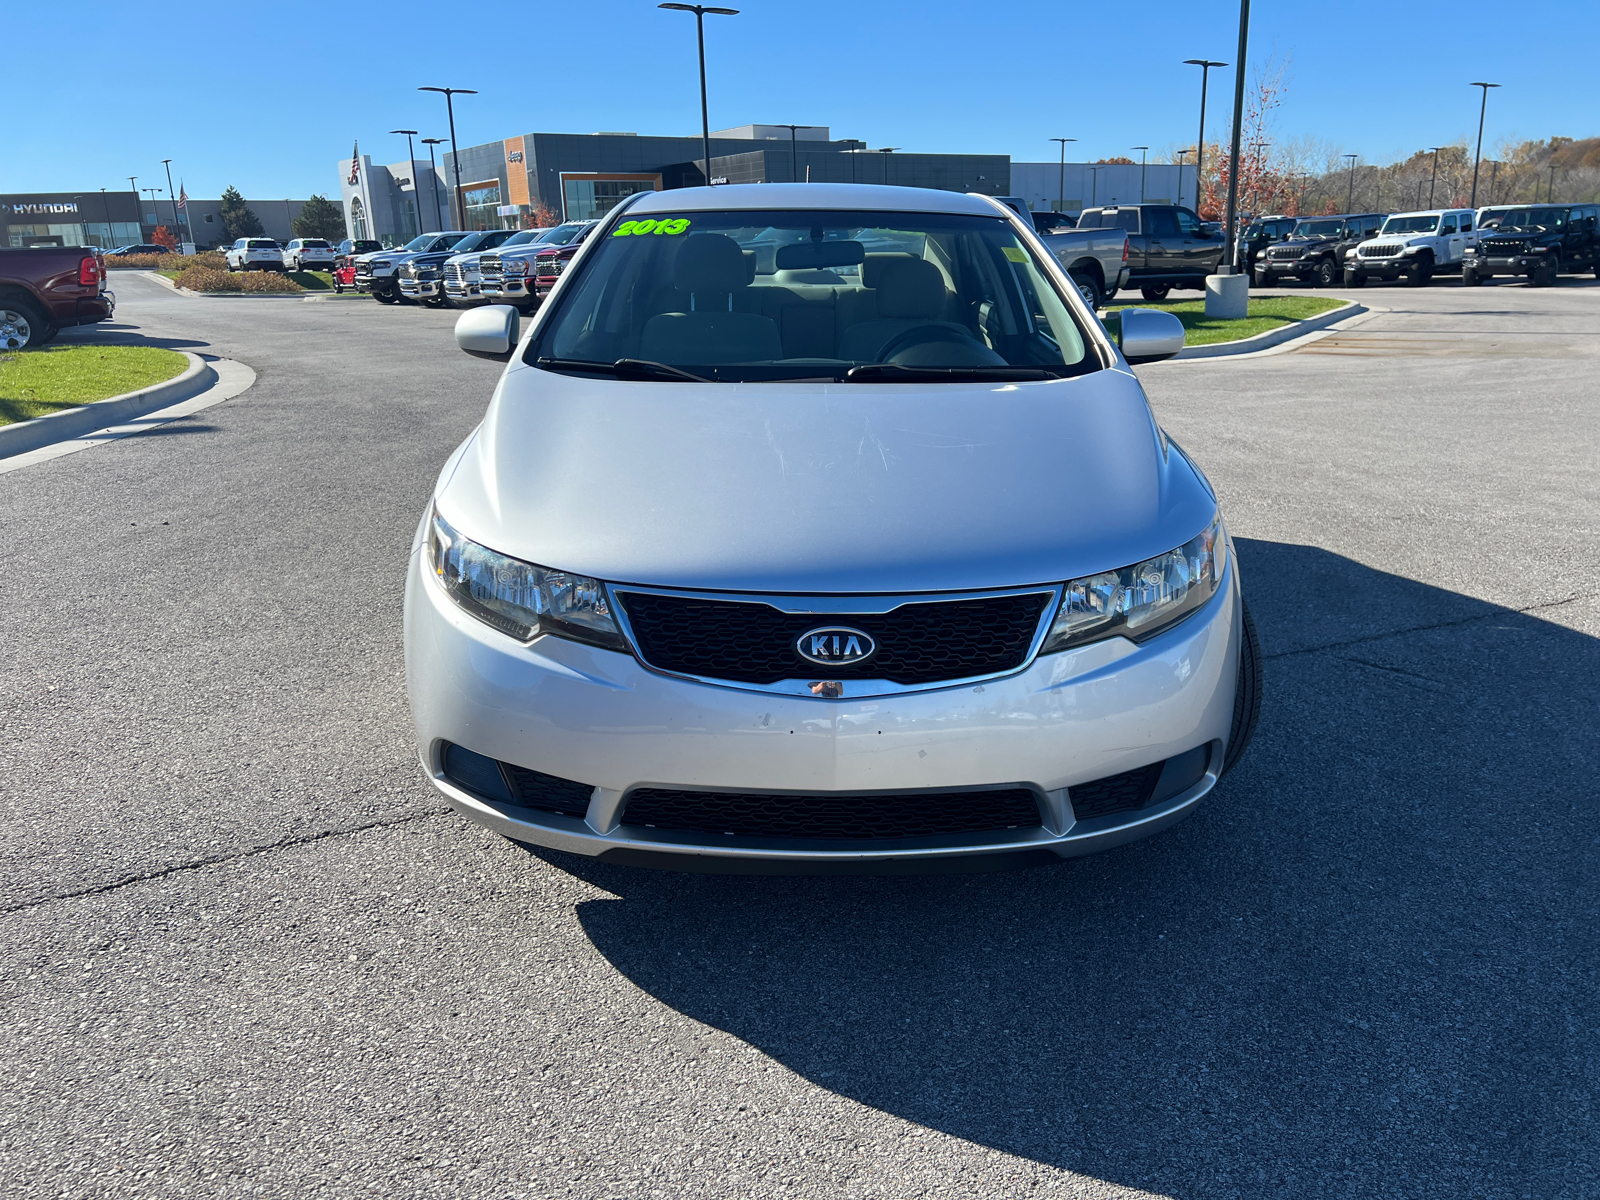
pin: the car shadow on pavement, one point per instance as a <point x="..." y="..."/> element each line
<point x="1366" y="966"/>
<point x="122" y="335"/>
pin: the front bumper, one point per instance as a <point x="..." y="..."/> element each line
<point x="1515" y="264"/>
<point x="462" y="289"/>
<point x="510" y="288"/>
<point x="602" y="718"/>
<point x="419" y="289"/>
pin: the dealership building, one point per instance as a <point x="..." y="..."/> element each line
<point x="108" y="219"/>
<point x="534" y="177"/>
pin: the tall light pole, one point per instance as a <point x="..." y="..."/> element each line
<point x="1182" y="154"/>
<point x="1142" y="151"/>
<point x="1205" y="65"/>
<point x="886" y="150"/>
<point x="700" y="11"/>
<point x="1061" y="185"/>
<point x="1434" y="178"/>
<point x="1550" y="190"/>
<point x="1494" y="177"/>
<point x="455" y="161"/>
<point x="433" y="177"/>
<point x="1477" y="157"/>
<point x="154" y="192"/>
<point x="1352" y="198"/>
<point x="173" y="196"/>
<point x="1094" y="185"/>
<point x="794" y="162"/>
<point x="411" y="164"/>
<point x="105" y="211"/>
<point x="1238" y="132"/>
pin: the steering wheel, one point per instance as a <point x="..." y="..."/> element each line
<point x="920" y="334"/>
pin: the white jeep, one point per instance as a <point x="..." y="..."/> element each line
<point x="1413" y="246"/>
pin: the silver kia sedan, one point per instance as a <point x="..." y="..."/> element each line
<point x="822" y="528"/>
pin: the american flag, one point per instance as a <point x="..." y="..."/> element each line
<point x="183" y="198"/>
<point x="355" y="165"/>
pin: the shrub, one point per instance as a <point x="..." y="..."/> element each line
<point x="209" y="279"/>
<point x="168" y="262"/>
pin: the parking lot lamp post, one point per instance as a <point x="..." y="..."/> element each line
<point x="105" y="211"/>
<point x="1205" y="65"/>
<point x="1433" y="179"/>
<point x="1550" y="189"/>
<point x="1061" y="184"/>
<point x="1350" y="201"/>
<point x="411" y="163"/>
<point x="794" y="160"/>
<point x="886" y="150"/>
<point x="1142" y="152"/>
<point x="1238" y="132"/>
<point x="455" y="162"/>
<point x="700" y="11"/>
<point x="1183" y="154"/>
<point x="1094" y="186"/>
<point x="1477" y="156"/>
<point x="433" y="177"/>
<point x="1494" y="177"/>
<point x="173" y="197"/>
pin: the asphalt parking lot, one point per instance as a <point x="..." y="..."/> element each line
<point x="245" y="951"/>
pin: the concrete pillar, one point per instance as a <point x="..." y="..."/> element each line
<point x="1227" y="296"/>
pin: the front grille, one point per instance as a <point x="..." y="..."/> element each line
<point x="1115" y="793"/>
<point x="548" y="267"/>
<point x="1381" y="250"/>
<point x="751" y="642"/>
<point x="1503" y="245"/>
<point x="489" y="268"/>
<point x="1284" y="253"/>
<point x="841" y="816"/>
<point x="452" y="272"/>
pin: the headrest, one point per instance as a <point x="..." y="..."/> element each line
<point x="710" y="262"/>
<point x="872" y="269"/>
<point x="910" y="288"/>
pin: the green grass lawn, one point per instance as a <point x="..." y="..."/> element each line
<point x="36" y="382"/>
<point x="313" y="281"/>
<point x="1270" y="312"/>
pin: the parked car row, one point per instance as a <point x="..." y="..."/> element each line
<point x="454" y="268"/>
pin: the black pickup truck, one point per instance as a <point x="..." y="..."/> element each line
<point x="1168" y="245"/>
<point x="1541" y="242"/>
<point x="1315" y="252"/>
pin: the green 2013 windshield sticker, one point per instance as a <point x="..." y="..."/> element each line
<point x="670" y="225"/>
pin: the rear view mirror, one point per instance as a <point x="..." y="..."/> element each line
<point x="811" y="256"/>
<point x="1148" y="335"/>
<point x="490" y="332"/>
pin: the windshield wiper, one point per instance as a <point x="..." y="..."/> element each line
<point x="624" y="368"/>
<point x="895" y="373"/>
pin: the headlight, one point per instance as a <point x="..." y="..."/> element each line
<point x="518" y="598"/>
<point x="1139" y="602"/>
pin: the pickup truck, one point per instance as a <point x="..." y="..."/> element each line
<point x="1097" y="260"/>
<point x="1413" y="246"/>
<point x="1168" y="245"/>
<point x="463" y="272"/>
<point x="378" y="272"/>
<point x="1540" y="241"/>
<point x="421" y="276"/>
<point x="46" y="289"/>
<point x="1315" y="252"/>
<point x="508" y="274"/>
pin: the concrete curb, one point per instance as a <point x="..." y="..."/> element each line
<point x="72" y="423"/>
<point x="1275" y="337"/>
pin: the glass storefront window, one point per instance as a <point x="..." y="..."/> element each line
<point x="90" y="233"/>
<point x="586" y="199"/>
<point x="480" y="201"/>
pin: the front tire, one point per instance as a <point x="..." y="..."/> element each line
<point x="1354" y="279"/>
<point x="1544" y="275"/>
<point x="384" y="296"/>
<point x="22" y="325"/>
<point x="1247" y="694"/>
<point x="1157" y="293"/>
<point x="1326" y="274"/>
<point x="1260" y="279"/>
<point x="1470" y="278"/>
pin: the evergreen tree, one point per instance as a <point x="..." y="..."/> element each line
<point x="238" y="219"/>
<point x="319" y="217"/>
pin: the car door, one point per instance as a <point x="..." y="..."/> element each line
<point x="1452" y="241"/>
<point x="1163" y="245"/>
<point x="1200" y="253"/>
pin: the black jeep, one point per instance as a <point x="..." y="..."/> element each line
<point x="1540" y="242"/>
<point x="1315" y="253"/>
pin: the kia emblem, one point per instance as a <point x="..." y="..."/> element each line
<point x="835" y="646"/>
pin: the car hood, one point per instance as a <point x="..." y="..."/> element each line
<point x="807" y="487"/>
<point x="1315" y="243"/>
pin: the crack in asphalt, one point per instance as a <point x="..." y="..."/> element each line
<point x="1378" y="637"/>
<point x="216" y="859"/>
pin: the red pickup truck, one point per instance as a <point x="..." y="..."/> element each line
<point x="46" y="289"/>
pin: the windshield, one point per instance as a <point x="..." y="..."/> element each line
<point x="562" y="234"/>
<point x="736" y="296"/>
<point x="464" y="242"/>
<point x="421" y="242"/>
<point x="520" y="239"/>
<point x="1319" y="229"/>
<point x="1534" y="218"/>
<point x="1423" y="224"/>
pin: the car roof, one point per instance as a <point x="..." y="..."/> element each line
<point x="868" y="197"/>
<point x="1431" y="212"/>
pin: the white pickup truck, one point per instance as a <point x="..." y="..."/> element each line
<point x="1413" y="246"/>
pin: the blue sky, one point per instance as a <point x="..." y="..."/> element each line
<point x="268" y="97"/>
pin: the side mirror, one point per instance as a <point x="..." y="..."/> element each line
<point x="1148" y="335"/>
<point x="489" y="332"/>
